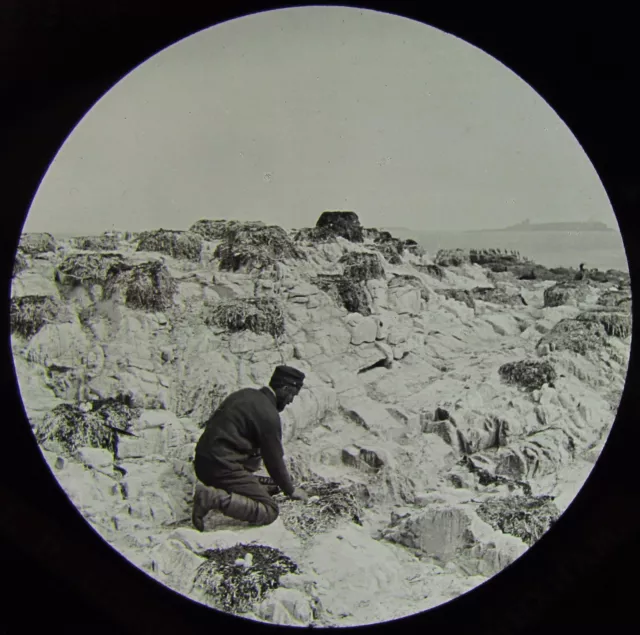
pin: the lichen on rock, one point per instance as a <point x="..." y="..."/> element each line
<point x="237" y="578"/>
<point x="530" y="374"/>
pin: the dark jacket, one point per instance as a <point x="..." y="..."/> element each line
<point x="247" y="423"/>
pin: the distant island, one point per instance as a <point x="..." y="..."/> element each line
<point x="587" y="226"/>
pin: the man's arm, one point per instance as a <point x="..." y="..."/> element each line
<point x="273" y="454"/>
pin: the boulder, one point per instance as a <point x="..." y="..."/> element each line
<point x="366" y="330"/>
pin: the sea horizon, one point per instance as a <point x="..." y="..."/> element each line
<point x="601" y="250"/>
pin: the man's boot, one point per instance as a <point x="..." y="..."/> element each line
<point x="205" y="500"/>
<point x="252" y="511"/>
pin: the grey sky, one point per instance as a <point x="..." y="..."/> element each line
<point x="281" y="115"/>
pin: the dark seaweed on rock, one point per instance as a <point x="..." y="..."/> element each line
<point x="615" y="323"/>
<point x="260" y="315"/>
<point x="577" y="336"/>
<point x="452" y="257"/>
<point x="212" y="229"/>
<point x="498" y="296"/>
<point x="526" y="517"/>
<point x="37" y="243"/>
<point x="177" y="244"/>
<point x="97" y="427"/>
<point x="391" y="252"/>
<point x="345" y="291"/>
<point x="562" y="292"/>
<point x="489" y="257"/>
<point x="255" y="245"/>
<point x="73" y="428"/>
<point x="461" y="295"/>
<point x="487" y="476"/>
<point x="528" y="374"/>
<point x="342" y="223"/>
<point x="116" y="413"/>
<point x="236" y="588"/>
<point x="20" y="263"/>
<point x="315" y="235"/>
<point x="31" y="312"/>
<point x="87" y="268"/>
<point x="147" y="286"/>
<point x="335" y="503"/>
<point x="362" y="266"/>
<point x="434" y="271"/>
<point x="103" y="242"/>
<point x="353" y="296"/>
<point x="613" y="297"/>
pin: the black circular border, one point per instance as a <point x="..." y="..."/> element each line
<point x="58" y="58"/>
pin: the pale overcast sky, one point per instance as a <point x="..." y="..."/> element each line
<point x="282" y="115"/>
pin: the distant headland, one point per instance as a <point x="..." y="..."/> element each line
<point x="527" y="225"/>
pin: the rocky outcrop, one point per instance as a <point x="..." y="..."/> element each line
<point x="427" y="432"/>
<point x="344" y="224"/>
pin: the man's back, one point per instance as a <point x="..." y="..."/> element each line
<point x="234" y="431"/>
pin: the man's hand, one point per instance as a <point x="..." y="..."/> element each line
<point x="299" y="495"/>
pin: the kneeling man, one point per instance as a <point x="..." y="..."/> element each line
<point x="245" y="429"/>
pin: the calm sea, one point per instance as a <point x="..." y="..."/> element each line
<point x="597" y="250"/>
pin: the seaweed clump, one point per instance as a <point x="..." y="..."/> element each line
<point x="461" y="295"/>
<point x="259" y="315"/>
<point x="578" y="336"/>
<point x="87" y="268"/>
<point x="20" y="263"/>
<point x="452" y="257"/>
<point x="211" y="229"/>
<point x="498" y="296"/>
<point x="177" y="244"/>
<point x="147" y="286"/>
<point x="95" y="426"/>
<point x="613" y="298"/>
<point x="103" y="242"/>
<point x="529" y="374"/>
<point x="564" y="292"/>
<point x="37" y="243"/>
<point x="30" y="313"/>
<point x="361" y="266"/>
<point x="329" y="503"/>
<point x="239" y="577"/>
<point x="615" y="323"/>
<point x="526" y="517"/>
<point x="254" y="245"/>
